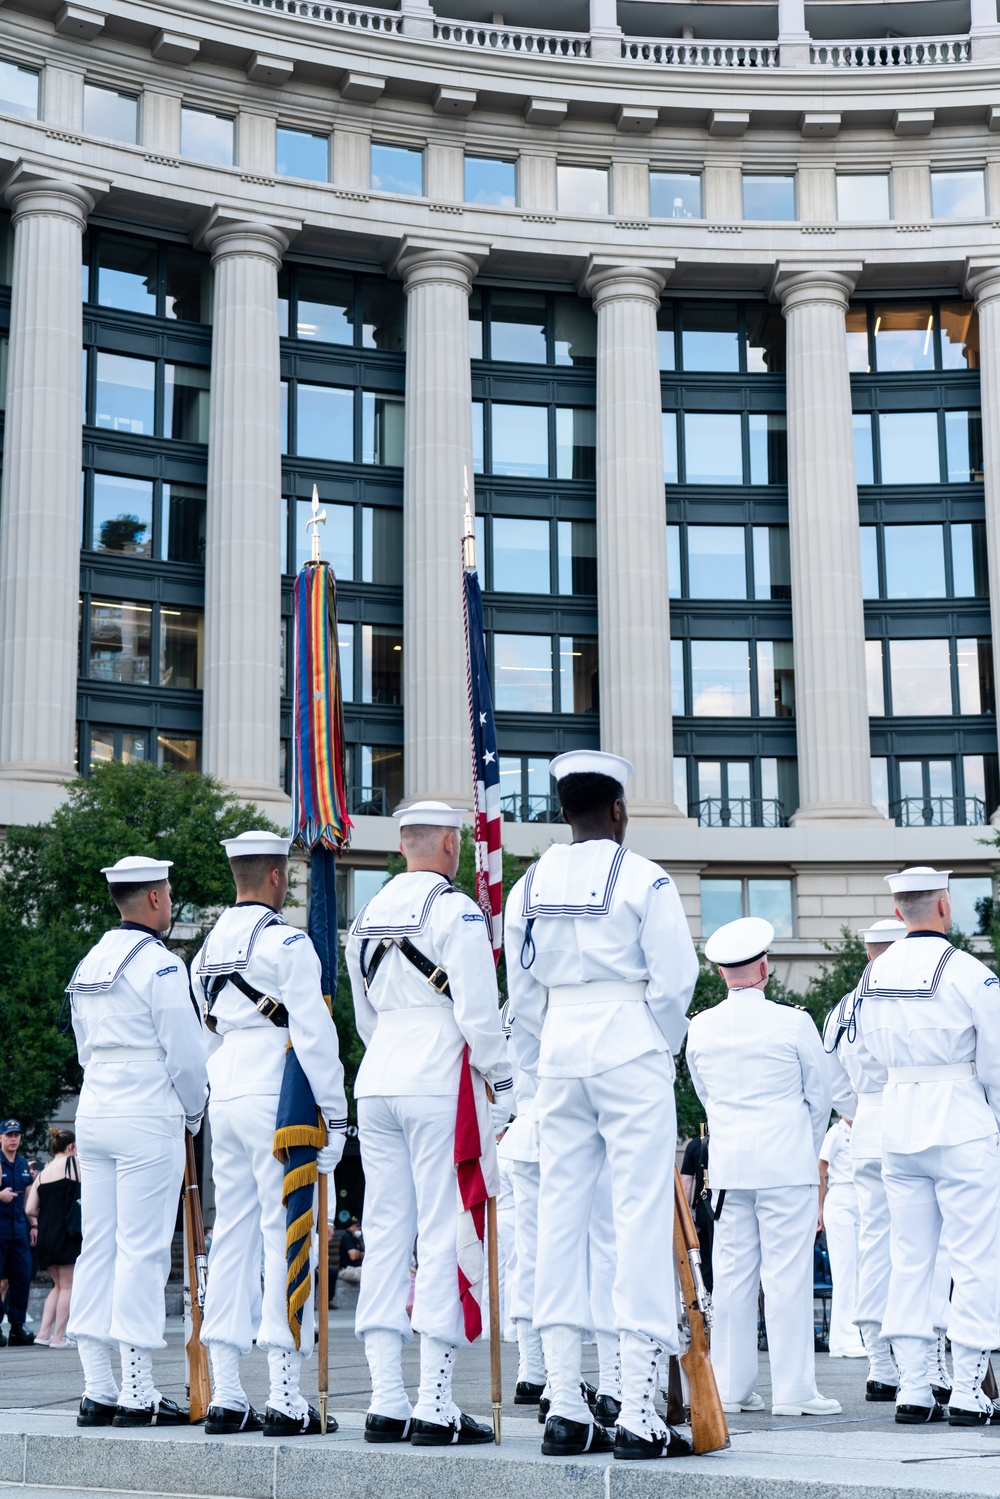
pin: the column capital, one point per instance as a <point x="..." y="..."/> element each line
<point x="797" y="284"/>
<point x="608" y="278"/>
<point x="246" y="237"/>
<point x="982" y="280"/>
<point x="50" y="195"/>
<point x="422" y="260"/>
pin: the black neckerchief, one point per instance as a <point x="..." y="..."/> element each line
<point x="137" y="926"/>
<point x="941" y="935"/>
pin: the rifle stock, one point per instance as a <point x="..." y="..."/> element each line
<point x="708" y="1421"/>
<point x="197" y="1264"/>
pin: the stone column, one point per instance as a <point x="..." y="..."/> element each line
<point x="437" y="281"/>
<point x="983" y="283"/>
<point x="633" y="610"/>
<point x="243" y="541"/>
<point x="828" y="624"/>
<point x="40" y="509"/>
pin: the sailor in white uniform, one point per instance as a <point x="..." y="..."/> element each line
<point x="259" y="982"/>
<point x="140" y="1043"/>
<point x="838" y="1216"/>
<point x="424" y="985"/>
<point x="928" y="1015"/>
<point x="759" y="1070"/>
<point x="601" y="969"/>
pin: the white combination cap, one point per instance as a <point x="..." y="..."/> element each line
<point x="739" y="942"/>
<point x="429" y="815"/>
<point x="591" y="763"/>
<point x="920" y="877"/>
<point x="889" y="930"/>
<point x="255" y="842"/>
<point x="137" y="869"/>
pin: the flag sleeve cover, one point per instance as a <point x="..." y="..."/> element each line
<point x="485" y="769"/>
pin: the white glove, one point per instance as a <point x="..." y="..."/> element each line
<point x="193" y="1123"/>
<point x="501" y="1115"/>
<point x="330" y="1154"/>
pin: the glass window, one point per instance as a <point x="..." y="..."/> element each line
<point x="476" y="315"/>
<point x="18" y="90"/>
<point x="208" y="137"/>
<point x="775" y="679"/>
<point x="908" y="444"/>
<point x="970" y="579"/>
<point x="185" y="402"/>
<point x="123" y="399"/>
<point x="880" y="784"/>
<point x="710" y="338"/>
<point x="577" y="542"/>
<point x="120" y="642"/>
<point x="864" y="459"/>
<point x="772" y="900"/>
<point x="677" y="678"/>
<point x="345" y="659"/>
<point x="772" y="571"/>
<point x="130" y="747"/>
<point x="876" y="680"/>
<point x="578" y="674"/>
<point x="713" y="447"/>
<point x="521" y="556"/>
<point x="721" y="902"/>
<point x="681" y="784"/>
<point x="963" y="431"/>
<point x="575" y="332"/>
<point x="110" y="114"/>
<point x="382" y="429"/>
<point x="904" y="337"/>
<point x="365" y="883"/>
<point x="959" y="336"/>
<point x="914" y="562"/>
<point x="765" y="339"/>
<point x="669" y="447"/>
<point x="975" y="676"/>
<point x="126" y="275"/>
<point x="717" y="566"/>
<point x="769" y="198"/>
<point x="857" y="341"/>
<point x="490" y="182"/>
<point x="337" y="538"/>
<point x="674" y="577"/>
<point x="383" y="315"/>
<point x="182" y="755"/>
<point x="300" y="153"/>
<point x="325" y="307"/>
<point x="582" y="190"/>
<point x="520" y="436"/>
<point x="122" y="515"/>
<point x="478" y="437"/>
<point x="382" y="545"/>
<point x="768" y="448"/>
<point x="576" y="442"/>
<point x="974" y="776"/>
<point x="517" y="326"/>
<point x="958" y="195"/>
<point x="675" y="195"/>
<point x="920" y="675"/>
<point x="182" y="521"/>
<point x="523" y="673"/>
<point x="182" y="647"/>
<point x="381" y="778"/>
<point x="969" y="911"/>
<point x="863" y="197"/>
<point x="665" y="336"/>
<point x="381" y="664"/>
<point x="869" y="563"/>
<point x="397" y="169"/>
<point x="720" y="679"/>
<point x="188" y="286"/>
<point x="325" y="422"/>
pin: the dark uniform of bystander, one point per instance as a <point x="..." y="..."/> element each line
<point x="15" y="1233"/>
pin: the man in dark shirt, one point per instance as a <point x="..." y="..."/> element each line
<point x="15" y="1236"/>
<point x="694" y="1179"/>
<point x="352" y="1252"/>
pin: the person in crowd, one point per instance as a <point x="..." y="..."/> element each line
<point x="352" y="1253"/>
<point x="838" y="1218"/>
<point x="53" y="1203"/>
<point x="16" y="1234"/>
<point x="695" y="1182"/>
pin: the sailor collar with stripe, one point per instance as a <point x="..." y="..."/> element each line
<point x="927" y="987"/>
<point x="244" y="938"/>
<point x="366" y="926"/>
<point x="595" y="902"/>
<point x="106" y="962"/>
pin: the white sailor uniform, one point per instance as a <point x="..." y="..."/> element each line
<point x="245" y="1069"/>
<point x="407" y="1091"/>
<point x="928" y="1014"/>
<point x="140" y="1043"/>
<point x="601" y="969"/>
<point x="841" y="1222"/>
<point x="758" y="1068"/>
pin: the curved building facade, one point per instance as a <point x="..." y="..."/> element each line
<point x="702" y="300"/>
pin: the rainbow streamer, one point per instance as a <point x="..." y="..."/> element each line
<point x="319" y="793"/>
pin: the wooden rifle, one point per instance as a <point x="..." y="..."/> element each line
<point x="199" y="1386"/>
<point x="708" y="1421"/>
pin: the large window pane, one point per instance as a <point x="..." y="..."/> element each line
<point x="765" y="339"/>
<point x="126" y="275"/>
<point x="857" y="340"/>
<point x="120" y="642"/>
<point x="110" y="114"/>
<point x="523" y="673"/>
<point x="975" y="676"/>
<point x="720" y="679"/>
<point x="769" y="198"/>
<point x="382" y="429"/>
<point x="521" y="556"/>
<point x="382" y="773"/>
<point x="914" y="562"/>
<point x="325" y="307"/>
<point x="768" y="448"/>
<point x="864" y="461"/>
<point x="772" y="900"/>
<point x="665" y="336"/>
<point x="397" y="169"/>
<point x="880" y="784"/>
<point x="908" y="442"/>
<point x="578" y="674"/>
<point x="575" y="332"/>
<point x="490" y="182"/>
<point x="520" y="441"/>
<point x="675" y="195"/>
<point x="775" y="679"/>
<point x="959" y="336"/>
<point x="576" y="442"/>
<point x="970" y="579"/>
<point x="969" y="910"/>
<point x="680" y="784"/>
<point x="325" y="422"/>
<point x="721" y="902"/>
<point x="920" y="677"/>
<point x="863" y="198"/>
<point x="669" y="422"/>
<point x="185" y="402"/>
<point x="963" y="432"/>
<point x="517" y="326"/>
<point x="302" y="154"/>
<point x="710" y="337"/>
<point x="182" y="512"/>
<point x="674" y="562"/>
<point x="123" y="515"/>
<point x="381" y="664"/>
<point x="869" y="562"/>
<point x="713" y="448"/>
<point x="383" y="315"/>
<point x="772" y="572"/>
<point x="182" y="755"/>
<point x="123" y="400"/>
<point x="18" y="90"/>
<point x="345" y="659"/>
<point x="382" y="545"/>
<point x="582" y="190"/>
<point x="577" y="557"/>
<point x="182" y="647"/>
<point x="336" y="538"/>
<point x="958" y="195"/>
<point x="208" y="137"/>
<point x="478" y="437"/>
<point x="476" y="315"/>
<point x="187" y="281"/>
<point x="717" y="566"/>
<point x="677" y="706"/>
<point x="904" y="337"/>
<point x="875" y="678"/>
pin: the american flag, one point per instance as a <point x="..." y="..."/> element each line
<point x="485" y="762"/>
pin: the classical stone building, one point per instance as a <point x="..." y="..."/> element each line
<point x="705" y="301"/>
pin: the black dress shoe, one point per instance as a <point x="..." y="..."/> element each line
<point x="93" y="1413"/>
<point x="3" y="1338"/>
<point x="18" y="1338"/>
<point x="387" y="1429"/>
<point x="572" y="1438"/>
<point x="167" y="1413"/>
<point x="588" y="1392"/>
<point x="223" y="1422"/>
<point x="465" y="1432"/>
<point x="607" y="1409"/>
<point x="632" y="1448"/>
<point x="920" y="1415"/>
<point x="277" y="1424"/>
<point x="526" y="1393"/>
<point x="941" y="1395"/>
<point x="875" y="1390"/>
<point x="968" y="1418"/>
<point x="544" y="1406"/>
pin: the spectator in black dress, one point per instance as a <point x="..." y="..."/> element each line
<point x="53" y="1202"/>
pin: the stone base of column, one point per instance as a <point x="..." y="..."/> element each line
<point x="26" y="800"/>
<point x="34" y="773"/>
<point x="836" y="814"/>
<point x="270" y="799"/>
<point x="657" y="812"/>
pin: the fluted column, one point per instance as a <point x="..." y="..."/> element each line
<point x="828" y="623"/>
<point x="633" y="610"/>
<point x="983" y="283"/>
<point x="243" y="539"/>
<point x="437" y="281"/>
<point x="40" y="509"/>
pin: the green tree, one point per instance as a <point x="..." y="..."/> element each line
<point x="54" y="904"/>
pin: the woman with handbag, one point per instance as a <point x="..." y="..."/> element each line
<point x="54" y="1201"/>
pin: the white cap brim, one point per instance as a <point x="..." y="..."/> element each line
<point x="429" y="814"/>
<point x="254" y="843"/>
<point x="739" y="942"/>
<point x="591" y="763"/>
<point x="918" y="878"/>
<point x="135" y="870"/>
<point x="883" y="931"/>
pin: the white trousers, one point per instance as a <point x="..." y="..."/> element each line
<point x="841" y="1220"/>
<point x="248" y="1206"/>
<point x="411" y="1192"/>
<point x="873" y="1241"/>
<point x="765" y="1237"/>
<point x="524" y="1179"/>
<point x="131" y="1171"/>
<point x="626" y="1115"/>
<point x="603" y="1257"/>
<point x="950" y="1192"/>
